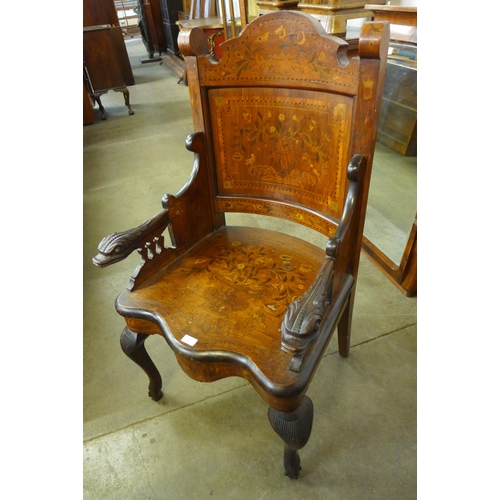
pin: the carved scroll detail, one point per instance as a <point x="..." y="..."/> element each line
<point x="300" y="326"/>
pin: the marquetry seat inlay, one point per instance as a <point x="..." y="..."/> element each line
<point x="237" y="283"/>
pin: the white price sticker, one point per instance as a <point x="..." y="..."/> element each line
<point x="187" y="339"/>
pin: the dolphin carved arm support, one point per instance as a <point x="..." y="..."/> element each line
<point x="303" y="318"/>
<point x="300" y="326"/>
<point x="148" y="237"/>
<point x="118" y="246"/>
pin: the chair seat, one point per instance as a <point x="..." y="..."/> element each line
<point x="240" y="281"/>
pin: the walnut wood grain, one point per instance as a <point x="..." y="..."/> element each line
<point x="284" y="125"/>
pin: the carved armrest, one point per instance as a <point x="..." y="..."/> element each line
<point x="300" y="326"/>
<point x="118" y="246"/>
<point x="305" y="316"/>
<point x="148" y="238"/>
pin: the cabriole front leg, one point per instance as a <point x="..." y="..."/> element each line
<point x="133" y="346"/>
<point x="294" y="429"/>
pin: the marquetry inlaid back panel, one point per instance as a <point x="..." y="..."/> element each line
<point x="280" y="111"/>
<point x="283" y="145"/>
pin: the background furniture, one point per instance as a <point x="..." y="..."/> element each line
<point x="151" y="27"/>
<point x="266" y="6"/>
<point x="106" y="64"/>
<point x="285" y="126"/>
<point x="398" y="127"/>
<point x="96" y="12"/>
<point x="334" y="14"/>
<point x="170" y="13"/>
<point x="398" y="118"/>
<point x="217" y="27"/>
<point x="171" y="10"/>
<point x="234" y="15"/>
<point x="403" y="274"/>
<point x="101" y="65"/>
<point x="214" y="32"/>
<point x="127" y="17"/>
<point x="103" y="12"/>
<point x="219" y="19"/>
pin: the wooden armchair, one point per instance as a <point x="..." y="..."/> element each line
<point x="285" y="126"/>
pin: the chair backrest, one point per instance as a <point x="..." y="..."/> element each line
<point x="282" y="114"/>
<point x="284" y="125"/>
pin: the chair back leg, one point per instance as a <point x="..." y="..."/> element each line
<point x="344" y="327"/>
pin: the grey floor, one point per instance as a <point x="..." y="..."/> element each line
<point x="214" y="440"/>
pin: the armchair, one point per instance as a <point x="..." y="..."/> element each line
<point x="285" y="126"/>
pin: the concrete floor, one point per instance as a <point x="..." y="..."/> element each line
<point x="214" y="440"/>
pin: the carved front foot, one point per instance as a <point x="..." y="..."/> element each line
<point x="133" y="346"/>
<point x="294" y="429"/>
<point x="292" y="463"/>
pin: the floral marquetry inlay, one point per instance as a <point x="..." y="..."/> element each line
<point x="243" y="280"/>
<point x="285" y="144"/>
<point x="298" y="54"/>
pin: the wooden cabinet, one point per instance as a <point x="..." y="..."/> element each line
<point x="96" y="12"/>
<point x="106" y="65"/>
<point x="398" y="114"/>
<point x="152" y="28"/>
<point x="103" y="13"/>
<point x="102" y="65"/>
<point x="170" y="14"/>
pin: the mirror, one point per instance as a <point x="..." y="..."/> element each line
<point x="392" y="202"/>
<point x="390" y="236"/>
